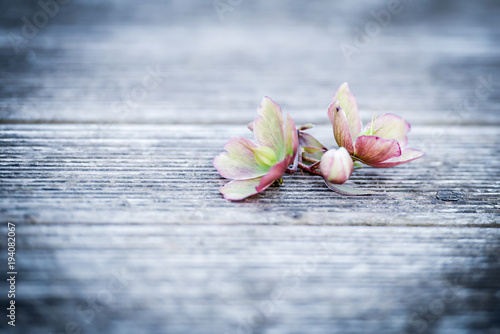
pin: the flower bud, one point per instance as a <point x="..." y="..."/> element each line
<point x="336" y="166"/>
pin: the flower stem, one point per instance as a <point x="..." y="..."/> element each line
<point x="294" y="166"/>
<point x="309" y="169"/>
<point x="314" y="165"/>
<point x="307" y="159"/>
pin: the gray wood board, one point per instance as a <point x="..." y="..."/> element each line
<point x="160" y="173"/>
<point x="120" y="224"/>
<point x="145" y="278"/>
<point x="211" y="71"/>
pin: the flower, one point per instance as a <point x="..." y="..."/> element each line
<point x="254" y="167"/>
<point x="336" y="166"/>
<point x="382" y="143"/>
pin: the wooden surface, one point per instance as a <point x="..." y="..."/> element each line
<point x="120" y="225"/>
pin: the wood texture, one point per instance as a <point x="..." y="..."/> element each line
<point x="164" y="174"/>
<point x="111" y="114"/>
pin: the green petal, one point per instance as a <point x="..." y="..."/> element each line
<point x="291" y="138"/>
<point x="240" y="189"/>
<point x="268" y="127"/>
<point x="239" y="162"/>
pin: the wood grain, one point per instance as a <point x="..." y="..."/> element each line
<point x="110" y="117"/>
<point x="215" y="278"/>
<point x="160" y="173"/>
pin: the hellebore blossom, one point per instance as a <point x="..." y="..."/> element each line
<point x="382" y="143"/>
<point x="255" y="167"/>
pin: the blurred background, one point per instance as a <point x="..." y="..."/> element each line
<point x="86" y="61"/>
<point x="71" y="70"/>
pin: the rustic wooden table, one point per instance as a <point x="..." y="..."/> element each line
<point x="111" y="113"/>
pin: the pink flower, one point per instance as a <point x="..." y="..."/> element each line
<point x="382" y="143"/>
<point x="255" y="167"/>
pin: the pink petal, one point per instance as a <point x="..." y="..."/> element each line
<point x="306" y="140"/>
<point x="275" y="173"/>
<point x="291" y="138"/>
<point x="349" y="104"/>
<point x="407" y="155"/>
<point x="250" y="126"/>
<point x="372" y="149"/>
<point x="312" y="147"/>
<point x="390" y="126"/>
<point x="340" y="125"/>
<point x="268" y="127"/>
<point x="239" y="162"/>
<point x="240" y="189"/>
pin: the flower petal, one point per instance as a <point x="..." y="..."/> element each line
<point x="291" y="138"/>
<point x="275" y="173"/>
<point x="250" y="126"/>
<point x="349" y="104"/>
<point x="373" y="149"/>
<point x="341" y="130"/>
<point x="348" y="191"/>
<point x="312" y="148"/>
<point x="239" y="161"/>
<point x="268" y="126"/>
<point x="240" y="189"/>
<point x="390" y="126"/>
<point x="306" y="126"/>
<point x="306" y="140"/>
<point x="313" y="151"/>
<point x="407" y="155"/>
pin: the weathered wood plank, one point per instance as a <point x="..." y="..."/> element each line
<point x="216" y="279"/>
<point x="161" y="173"/>
<point x="121" y="228"/>
<point x="210" y="71"/>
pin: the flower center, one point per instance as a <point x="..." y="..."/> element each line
<point x="265" y="156"/>
<point x="370" y="131"/>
